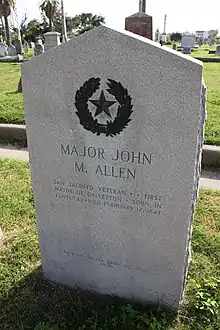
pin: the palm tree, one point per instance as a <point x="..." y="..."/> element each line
<point x="50" y="9"/>
<point x="5" y="10"/>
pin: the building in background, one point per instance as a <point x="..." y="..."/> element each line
<point x="140" y="23"/>
<point x="202" y="34"/>
<point x="209" y="37"/>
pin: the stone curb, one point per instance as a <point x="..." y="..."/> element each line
<point x="208" y="59"/>
<point x="210" y="154"/>
<point x="16" y="132"/>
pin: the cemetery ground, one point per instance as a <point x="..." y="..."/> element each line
<point x="203" y="51"/>
<point x="28" y="301"/>
<point x="11" y="105"/>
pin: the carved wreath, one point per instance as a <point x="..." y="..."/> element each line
<point x="111" y="128"/>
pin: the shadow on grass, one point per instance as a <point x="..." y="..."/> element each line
<point x="15" y="63"/>
<point x="35" y="303"/>
<point x="12" y="93"/>
<point x="18" y="144"/>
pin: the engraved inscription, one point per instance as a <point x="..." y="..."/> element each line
<point x="109" y="263"/>
<point x="142" y="202"/>
<point x="107" y="170"/>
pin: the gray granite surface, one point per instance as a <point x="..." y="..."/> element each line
<point x="115" y="198"/>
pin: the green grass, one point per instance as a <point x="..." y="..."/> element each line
<point x="29" y="54"/>
<point x="11" y="105"/>
<point x="212" y="80"/>
<point x="28" y="301"/>
<point x="203" y="51"/>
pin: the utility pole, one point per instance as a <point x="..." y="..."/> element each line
<point x="64" y="33"/>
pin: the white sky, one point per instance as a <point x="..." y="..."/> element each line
<point x="187" y="15"/>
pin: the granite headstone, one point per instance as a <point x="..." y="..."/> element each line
<point x="115" y="134"/>
<point x="217" y="50"/>
<point x="38" y="49"/>
<point x="18" y="46"/>
<point x="2" y="49"/>
<point x="52" y="39"/>
<point x="26" y="47"/>
<point x="188" y="40"/>
<point x="187" y="50"/>
<point x="12" y="50"/>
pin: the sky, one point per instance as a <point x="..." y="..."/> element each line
<point x="182" y="16"/>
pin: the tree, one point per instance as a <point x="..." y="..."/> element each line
<point x="5" y="10"/>
<point x="176" y="37"/>
<point x="213" y="34"/>
<point x="84" y="22"/>
<point x="79" y="24"/>
<point x="50" y="8"/>
<point x="22" y="26"/>
<point x="33" y="30"/>
<point x="2" y="28"/>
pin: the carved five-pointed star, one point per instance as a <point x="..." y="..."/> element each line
<point x="102" y="105"/>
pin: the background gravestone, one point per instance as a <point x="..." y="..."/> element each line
<point x="115" y="135"/>
<point x="18" y="46"/>
<point x="12" y="50"/>
<point x="26" y="47"/>
<point x="32" y="44"/>
<point x="218" y="51"/>
<point x="188" y="40"/>
<point x="2" y="49"/>
<point x="38" y="49"/>
<point x="52" y="39"/>
<point x="187" y="50"/>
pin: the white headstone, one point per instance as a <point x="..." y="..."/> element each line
<point x="188" y="40"/>
<point x="164" y="37"/>
<point x="218" y="51"/>
<point x="187" y="50"/>
<point x="18" y="45"/>
<point x="52" y="39"/>
<point x="26" y="48"/>
<point x="38" y="49"/>
<point x="115" y="131"/>
<point x="12" y="50"/>
<point x="2" y="49"/>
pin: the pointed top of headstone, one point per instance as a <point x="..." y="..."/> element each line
<point x="94" y="42"/>
<point x="138" y="14"/>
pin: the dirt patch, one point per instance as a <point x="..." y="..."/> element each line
<point x="209" y="223"/>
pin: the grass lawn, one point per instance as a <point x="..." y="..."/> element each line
<point x="28" y="301"/>
<point x="212" y="80"/>
<point x="11" y="104"/>
<point x="203" y="51"/>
